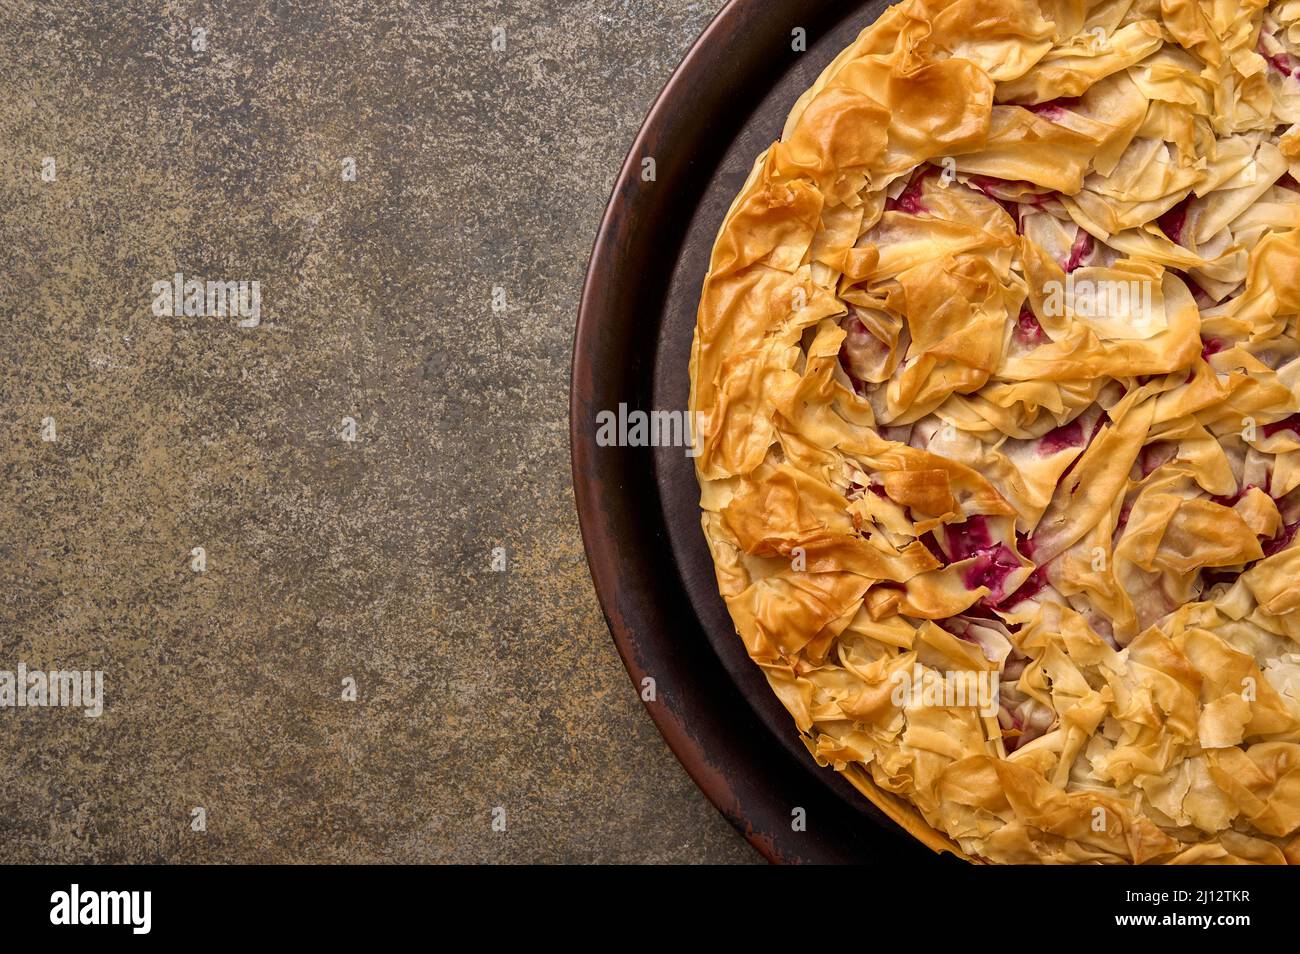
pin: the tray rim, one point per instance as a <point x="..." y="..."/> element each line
<point x="749" y="801"/>
<point x="686" y="748"/>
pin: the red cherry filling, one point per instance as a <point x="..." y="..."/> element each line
<point x="1055" y="109"/>
<point x="936" y="551"/>
<point x="1279" y="61"/>
<point x="1061" y="438"/>
<point x="1032" y="586"/>
<point x="1174" y="221"/>
<point x="909" y="200"/>
<point x="1280" y="542"/>
<point x="1156" y="454"/>
<point x="1081" y="249"/>
<point x="964" y="540"/>
<point x="1291" y="424"/>
<point x="1028" y="330"/>
<point x="991" y="568"/>
<point x="992" y="560"/>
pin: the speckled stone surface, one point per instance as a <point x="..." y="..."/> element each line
<point x="479" y="171"/>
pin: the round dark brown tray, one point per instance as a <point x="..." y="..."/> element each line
<point x="638" y="507"/>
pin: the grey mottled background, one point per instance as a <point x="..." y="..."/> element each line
<point x="476" y="169"/>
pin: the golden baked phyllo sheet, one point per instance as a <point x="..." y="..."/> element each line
<point x="999" y="370"/>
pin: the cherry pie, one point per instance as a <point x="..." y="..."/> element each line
<point x="999" y="369"/>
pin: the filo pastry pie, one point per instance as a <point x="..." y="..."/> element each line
<point x="998" y="372"/>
